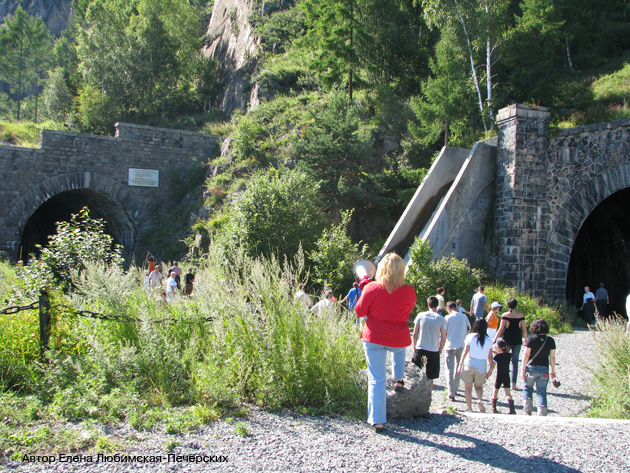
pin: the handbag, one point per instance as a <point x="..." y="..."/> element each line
<point x="538" y="352"/>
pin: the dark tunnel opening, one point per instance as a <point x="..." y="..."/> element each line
<point x="600" y="253"/>
<point x="60" y="208"/>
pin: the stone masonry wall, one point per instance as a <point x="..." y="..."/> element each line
<point x="521" y="214"/>
<point x="586" y="165"/>
<point x="546" y="188"/>
<point x="70" y="161"/>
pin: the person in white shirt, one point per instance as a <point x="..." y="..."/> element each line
<point x="325" y="305"/>
<point x="171" y="287"/>
<point x="475" y="361"/>
<point x="588" y="306"/>
<point x="155" y="278"/>
<point x="302" y="297"/>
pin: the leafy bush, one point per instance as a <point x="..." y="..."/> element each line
<point x="278" y="213"/>
<point x="426" y="275"/>
<point x="334" y="256"/>
<point x="76" y="242"/>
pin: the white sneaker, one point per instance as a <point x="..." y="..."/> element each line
<point x="482" y="408"/>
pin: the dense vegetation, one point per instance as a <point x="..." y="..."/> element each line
<point x="611" y="372"/>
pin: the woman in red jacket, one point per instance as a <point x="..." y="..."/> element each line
<point x="386" y="303"/>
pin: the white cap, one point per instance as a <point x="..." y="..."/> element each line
<point x="495" y="304"/>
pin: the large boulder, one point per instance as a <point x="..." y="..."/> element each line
<point x="414" y="400"/>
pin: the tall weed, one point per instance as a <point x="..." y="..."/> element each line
<point x="241" y="338"/>
<point x="611" y="375"/>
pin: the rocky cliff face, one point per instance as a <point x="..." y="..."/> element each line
<point x="232" y="42"/>
<point x="55" y="13"/>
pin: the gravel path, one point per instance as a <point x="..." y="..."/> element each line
<point x="444" y="442"/>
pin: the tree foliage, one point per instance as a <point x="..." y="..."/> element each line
<point x="335" y="254"/>
<point x="426" y="275"/>
<point x="278" y="213"/>
<point x="77" y="242"/>
<point x="143" y="55"/>
<point x="535" y="53"/>
<point x="26" y="47"/>
<point x="334" y="147"/>
<point x="57" y="98"/>
<point x="445" y="107"/>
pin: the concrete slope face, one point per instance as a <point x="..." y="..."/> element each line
<point x="458" y="225"/>
<point x="450" y="208"/>
<point x="424" y="202"/>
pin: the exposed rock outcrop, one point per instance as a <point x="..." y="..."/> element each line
<point x="232" y="42"/>
<point x="55" y="13"/>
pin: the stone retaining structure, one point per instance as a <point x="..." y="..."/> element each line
<point x="96" y="168"/>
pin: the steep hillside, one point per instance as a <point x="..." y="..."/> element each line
<point x="55" y="13"/>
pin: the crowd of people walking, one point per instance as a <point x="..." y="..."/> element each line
<point x="472" y="355"/>
<point x="171" y="288"/>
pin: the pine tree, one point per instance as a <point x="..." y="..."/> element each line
<point x="447" y="98"/>
<point x="26" y="46"/>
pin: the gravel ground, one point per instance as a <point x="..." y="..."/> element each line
<point x="446" y="441"/>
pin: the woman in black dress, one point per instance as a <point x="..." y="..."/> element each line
<point x="513" y="329"/>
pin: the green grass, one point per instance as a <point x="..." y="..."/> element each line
<point x="613" y="87"/>
<point x="602" y="100"/>
<point x="26" y="134"/>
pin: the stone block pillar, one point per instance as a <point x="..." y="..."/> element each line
<point x="521" y="223"/>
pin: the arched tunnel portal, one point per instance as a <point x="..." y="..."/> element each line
<point x="601" y="253"/>
<point x="60" y="207"/>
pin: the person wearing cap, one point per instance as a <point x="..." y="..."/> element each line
<point x="493" y="320"/>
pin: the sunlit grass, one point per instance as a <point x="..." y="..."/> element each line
<point x="26" y="134"/>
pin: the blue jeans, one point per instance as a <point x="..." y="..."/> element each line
<point x="516" y="353"/>
<point x="539" y="376"/>
<point x="376" y="357"/>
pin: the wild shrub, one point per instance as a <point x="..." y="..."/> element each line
<point x="532" y="308"/>
<point x="268" y="350"/>
<point x="426" y="275"/>
<point x="279" y="212"/>
<point x="611" y="373"/>
<point x="334" y="256"/>
<point x="78" y="241"/>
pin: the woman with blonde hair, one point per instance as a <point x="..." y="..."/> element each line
<point x="386" y="303"/>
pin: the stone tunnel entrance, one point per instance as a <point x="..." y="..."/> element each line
<point x="43" y="223"/>
<point x="601" y="253"/>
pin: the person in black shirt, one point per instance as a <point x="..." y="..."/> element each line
<point x="502" y="361"/>
<point x="539" y="363"/>
<point x="189" y="279"/>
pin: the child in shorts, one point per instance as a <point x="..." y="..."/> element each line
<point x="502" y="360"/>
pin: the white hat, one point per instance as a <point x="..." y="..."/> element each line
<point x="495" y="304"/>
